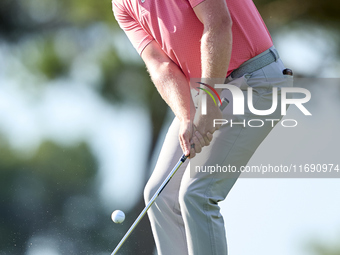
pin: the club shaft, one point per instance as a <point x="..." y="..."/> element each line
<point x="141" y="215"/>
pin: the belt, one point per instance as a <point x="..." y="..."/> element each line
<point x="265" y="58"/>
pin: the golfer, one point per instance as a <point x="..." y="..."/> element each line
<point x="214" y="42"/>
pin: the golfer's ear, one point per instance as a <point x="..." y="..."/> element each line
<point x="213" y="13"/>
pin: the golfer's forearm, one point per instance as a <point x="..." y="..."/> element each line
<point x="174" y="88"/>
<point x="216" y="47"/>
<point x="216" y="41"/>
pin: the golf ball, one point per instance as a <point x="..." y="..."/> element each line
<point x="118" y="216"/>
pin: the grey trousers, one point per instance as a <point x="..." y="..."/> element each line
<point x="186" y="218"/>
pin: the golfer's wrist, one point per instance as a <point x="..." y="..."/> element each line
<point x="188" y="117"/>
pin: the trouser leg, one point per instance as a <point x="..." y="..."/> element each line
<point x="164" y="215"/>
<point x="232" y="145"/>
<point x="200" y="193"/>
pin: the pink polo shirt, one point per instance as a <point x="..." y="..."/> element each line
<point x="175" y="27"/>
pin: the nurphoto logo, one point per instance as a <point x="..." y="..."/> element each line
<point x="238" y="104"/>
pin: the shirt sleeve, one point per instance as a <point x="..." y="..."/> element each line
<point x="193" y="3"/>
<point x="134" y="31"/>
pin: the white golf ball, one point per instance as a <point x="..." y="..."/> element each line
<point x="118" y="216"/>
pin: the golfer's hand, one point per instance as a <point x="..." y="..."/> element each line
<point x="190" y="139"/>
<point x="205" y="124"/>
<point x="185" y="134"/>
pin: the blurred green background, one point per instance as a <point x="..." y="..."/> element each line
<point x="81" y="123"/>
